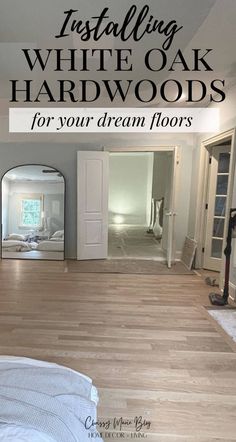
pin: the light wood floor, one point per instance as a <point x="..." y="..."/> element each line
<point x="147" y="342"/>
<point x="132" y="241"/>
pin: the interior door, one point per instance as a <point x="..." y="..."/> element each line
<point x="92" y="203"/>
<point x="216" y="207"/>
<point x="168" y="241"/>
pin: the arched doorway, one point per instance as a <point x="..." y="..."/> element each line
<point x="33" y="213"/>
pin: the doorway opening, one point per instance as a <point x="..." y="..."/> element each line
<point x="33" y="216"/>
<point x="128" y="209"/>
<point x="140" y="189"/>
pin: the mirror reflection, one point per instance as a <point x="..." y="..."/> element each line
<point x="33" y="213"/>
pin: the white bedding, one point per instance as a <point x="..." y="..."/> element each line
<point x="77" y="403"/>
<point x="15" y="246"/>
<point x="14" y="433"/>
<point x="51" y="246"/>
<point x="16" y="237"/>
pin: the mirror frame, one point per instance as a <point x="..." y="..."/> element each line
<point x="64" y="201"/>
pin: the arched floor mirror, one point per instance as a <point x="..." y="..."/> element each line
<point x="33" y="200"/>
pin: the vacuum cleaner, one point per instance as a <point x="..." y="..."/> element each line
<point x="215" y="298"/>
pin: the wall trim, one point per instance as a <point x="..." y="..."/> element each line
<point x="167" y="148"/>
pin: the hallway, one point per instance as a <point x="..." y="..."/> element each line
<point x="130" y="241"/>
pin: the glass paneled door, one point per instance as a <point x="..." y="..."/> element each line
<point x="218" y="186"/>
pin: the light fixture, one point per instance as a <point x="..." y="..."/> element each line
<point x="118" y="219"/>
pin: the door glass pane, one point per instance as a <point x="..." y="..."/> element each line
<point x="218" y="227"/>
<point x="220" y="206"/>
<point x="223" y="165"/>
<point x="216" y="248"/>
<point x="222" y="185"/>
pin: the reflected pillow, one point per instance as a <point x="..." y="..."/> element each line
<point x="58" y="234"/>
<point x="16" y="237"/>
<point x="15" y="246"/>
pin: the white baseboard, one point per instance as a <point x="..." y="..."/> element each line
<point x="232" y="291"/>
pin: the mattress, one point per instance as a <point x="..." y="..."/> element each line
<point x="44" y="402"/>
<point x="15" y="246"/>
<point x="51" y="246"/>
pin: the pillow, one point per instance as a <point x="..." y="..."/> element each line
<point x="58" y="234"/>
<point x="16" y="237"/>
<point x="15" y="246"/>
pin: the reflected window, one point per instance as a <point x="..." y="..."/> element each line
<point x="31" y="212"/>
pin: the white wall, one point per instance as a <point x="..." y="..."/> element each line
<point x="129" y="186"/>
<point x="5" y="206"/>
<point x="62" y="156"/>
<point x="149" y="187"/>
<point x="162" y="183"/>
<point x="160" y="174"/>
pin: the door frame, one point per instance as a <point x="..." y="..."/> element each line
<point x="202" y="192"/>
<point x="175" y="150"/>
<point x="208" y="260"/>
